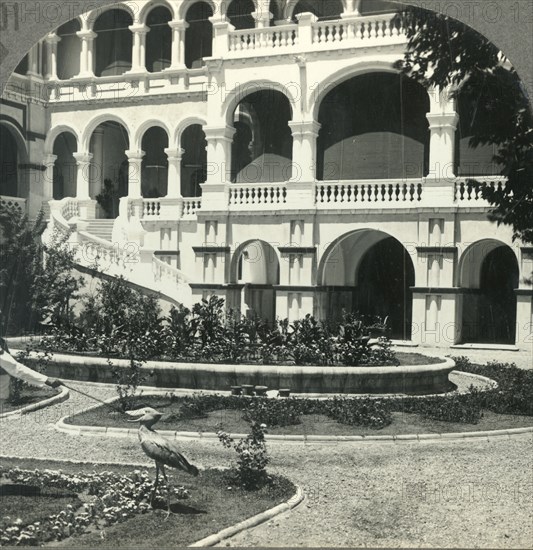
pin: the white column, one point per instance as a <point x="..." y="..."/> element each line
<point x="351" y="8"/>
<point x="33" y="61"/>
<point x="134" y="173"/>
<point x="178" y="44"/>
<point x="83" y="161"/>
<point x="98" y="161"/>
<point x="305" y="28"/>
<point x="262" y="19"/>
<point x="304" y="135"/>
<point x="443" y="121"/>
<point x="174" y="172"/>
<point x="48" y="177"/>
<point x="138" y="54"/>
<point x="51" y="41"/>
<point x="86" y="56"/>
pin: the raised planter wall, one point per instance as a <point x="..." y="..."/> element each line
<point x="404" y="379"/>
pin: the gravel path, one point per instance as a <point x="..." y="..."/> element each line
<point x="456" y="494"/>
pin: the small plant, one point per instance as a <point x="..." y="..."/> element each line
<point x="252" y="457"/>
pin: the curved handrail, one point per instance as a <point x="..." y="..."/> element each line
<point x="161" y="269"/>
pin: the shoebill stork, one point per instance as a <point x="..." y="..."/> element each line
<point x="163" y="451"/>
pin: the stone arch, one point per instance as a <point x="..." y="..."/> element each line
<point x="144" y="127"/>
<point x="359" y="272"/>
<point x="273" y="254"/>
<point x="55" y="132"/>
<point x="184" y="124"/>
<point x="185" y="6"/>
<point x="95" y="122"/>
<point x="489" y="274"/>
<point x="94" y="14"/>
<point x="13" y="152"/>
<point x="147" y="8"/>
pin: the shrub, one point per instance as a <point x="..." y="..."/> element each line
<point x="252" y="457"/>
<point x="373" y="413"/>
<point x="273" y="413"/>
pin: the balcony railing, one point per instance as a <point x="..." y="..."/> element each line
<point x="275" y="38"/>
<point x="257" y="195"/>
<point x="368" y="193"/>
<point x="364" y="29"/>
<point x="16" y="203"/>
<point x="467" y="194"/>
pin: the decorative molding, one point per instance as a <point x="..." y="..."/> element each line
<point x="437" y="249"/>
<point x="210" y="249"/>
<point x="297" y="249"/>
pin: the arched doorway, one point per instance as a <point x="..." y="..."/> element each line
<point x="370" y="273"/>
<point x="489" y="277"/>
<point x="65" y="168"/>
<point x="255" y="265"/>
<point x="262" y="143"/>
<point x="374" y="126"/>
<point x="194" y="161"/>
<point x="332" y="9"/>
<point x="158" y="40"/>
<point x="154" y="176"/>
<point x="240" y="14"/>
<point x="10" y="181"/>
<point x="113" y="43"/>
<point x="68" y="50"/>
<point x="109" y="167"/>
<point x="199" y="35"/>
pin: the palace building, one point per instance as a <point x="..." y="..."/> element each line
<point x="269" y="153"/>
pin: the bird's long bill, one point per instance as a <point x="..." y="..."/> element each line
<point x="136" y="414"/>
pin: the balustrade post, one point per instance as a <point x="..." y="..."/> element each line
<point x="174" y="172"/>
<point x="134" y="173"/>
<point x="305" y="28"/>
<point x="221" y="30"/>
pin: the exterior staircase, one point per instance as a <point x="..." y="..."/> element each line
<point x="101" y="228"/>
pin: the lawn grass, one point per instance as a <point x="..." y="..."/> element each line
<point x="214" y="505"/>
<point x="29" y="395"/>
<point x="232" y="421"/>
<point x="32" y="504"/>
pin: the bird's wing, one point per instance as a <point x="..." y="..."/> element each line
<point x="166" y="451"/>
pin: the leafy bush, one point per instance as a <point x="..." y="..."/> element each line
<point x="515" y="386"/>
<point x="373" y="413"/>
<point x="252" y="457"/>
<point x="274" y="413"/>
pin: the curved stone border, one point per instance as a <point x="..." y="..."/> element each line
<point x="251" y="522"/>
<point x="63" y="395"/>
<point x="211" y="540"/>
<point x="104" y="431"/>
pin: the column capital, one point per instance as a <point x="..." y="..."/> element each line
<point x="49" y="159"/>
<point x="82" y="158"/>
<point x="305" y="128"/>
<point x="219" y="133"/>
<point x="86" y="34"/>
<point x="442" y="120"/>
<point x="139" y="28"/>
<point x="178" y="25"/>
<point x="262" y="17"/>
<point x="306" y="18"/>
<point x="135" y="155"/>
<point x="52" y="38"/>
<point x="174" y="153"/>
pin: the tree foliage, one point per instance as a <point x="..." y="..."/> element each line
<point x="36" y="279"/>
<point x="446" y="54"/>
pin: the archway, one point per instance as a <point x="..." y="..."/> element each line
<point x="255" y="265"/>
<point x="109" y="166"/>
<point x="68" y="50"/>
<point x="374" y="7"/>
<point x="65" y="168"/>
<point x="154" y="171"/>
<point x="158" y="40"/>
<point x="240" y="14"/>
<point x="332" y="9"/>
<point x="371" y="273"/>
<point x="194" y="160"/>
<point x="489" y="275"/>
<point x="477" y="117"/>
<point x="10" y="181"/>
<point x="199" y="35"/>
<point x="262" y="144"/>
<point x="374" y="126"/>
<point x="113" y="43"/>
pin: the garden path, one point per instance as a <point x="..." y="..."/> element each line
<point x="456" y="494"/>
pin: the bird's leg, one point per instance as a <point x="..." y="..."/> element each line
<point x="155" y="484"/>
<point x="168" y="489"/>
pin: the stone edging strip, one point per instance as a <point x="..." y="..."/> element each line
<point x="63" y="395"/>
<point x="104" y="431"/>
<point x="211" y="540"/>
